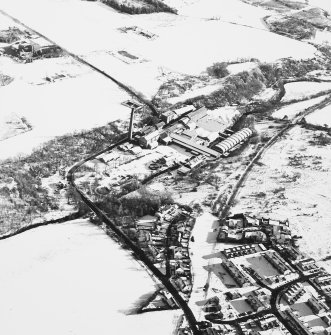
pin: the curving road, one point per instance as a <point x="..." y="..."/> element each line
<point x="139" y="254"/>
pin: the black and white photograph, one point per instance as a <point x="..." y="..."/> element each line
<point x="165" y="167"/>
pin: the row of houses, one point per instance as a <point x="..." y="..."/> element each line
<point x="322" y="283"/>
<point x="238" y="274"/>
<point x="318" y="306"/>
<point x="297" y="323"/>
<point x="307" y="266"/>
<point x="267" y="323"/>
<point x="251" y="229"/>
<point x="294" y="293"/>
<point x="179" y="260"/>
<point x="152" y="233"/>
<point x="164" y="237"/>
<point x="242" y="250"/>
<point x="302" y="327"/>
<point x="278" y="262"/>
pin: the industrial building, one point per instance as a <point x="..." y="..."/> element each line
<point x="175" y="114"/>
<point x="233" y="140"/>
<point x="193" y="146"/>
<point x="150" y="140"/>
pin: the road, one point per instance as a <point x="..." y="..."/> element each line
<point x="102" y="216"/>
<point x="138" y="253"/>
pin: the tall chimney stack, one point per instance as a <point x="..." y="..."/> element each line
<point x="131" y="124"/>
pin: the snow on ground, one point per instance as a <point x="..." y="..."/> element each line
<point x="240" y="67"/>
<point x="60" y="108"/>
<point x="322" y="37"/>
<point x="206" y="265"/>
<point x="183" y="44"/>
<point x="73" y="279"/>
<point x="320" y="74"/>
<point x="226" y="115"/>
<point x="203" y="246"/>
<point x="321" y="117"/>
<point x="324" y="4"/>
<point x="37" y="71"/>
<point x="11" y="125"/>
<point x="292" y="182"/>
<point x="225" y="10"/>
<point x="266" y="94"/>
<point x="304" y="89"/>
<point x="195" y="92"/>
<point x="294" y="109"/>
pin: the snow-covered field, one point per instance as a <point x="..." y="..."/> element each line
<point x="59" y="108"/>
<point x="321" y="117"/>
<point x="182" y="44"/>
<point x="202" y="247"/>
<point x="225" y="10"/>
<point x="304" y="89"/>
<point x="36" y="72"/>
<point x="294" y="109"/>
<point x="324" y="4"/>
<point x="73" y="279"/>
<point x="292" y="182"/>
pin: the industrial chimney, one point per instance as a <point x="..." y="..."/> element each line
<point x="131" y="124"/>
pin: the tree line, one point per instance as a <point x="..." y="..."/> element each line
<point x="142" y="7"/>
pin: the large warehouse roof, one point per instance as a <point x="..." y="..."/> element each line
<point x="233" y="140"/>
